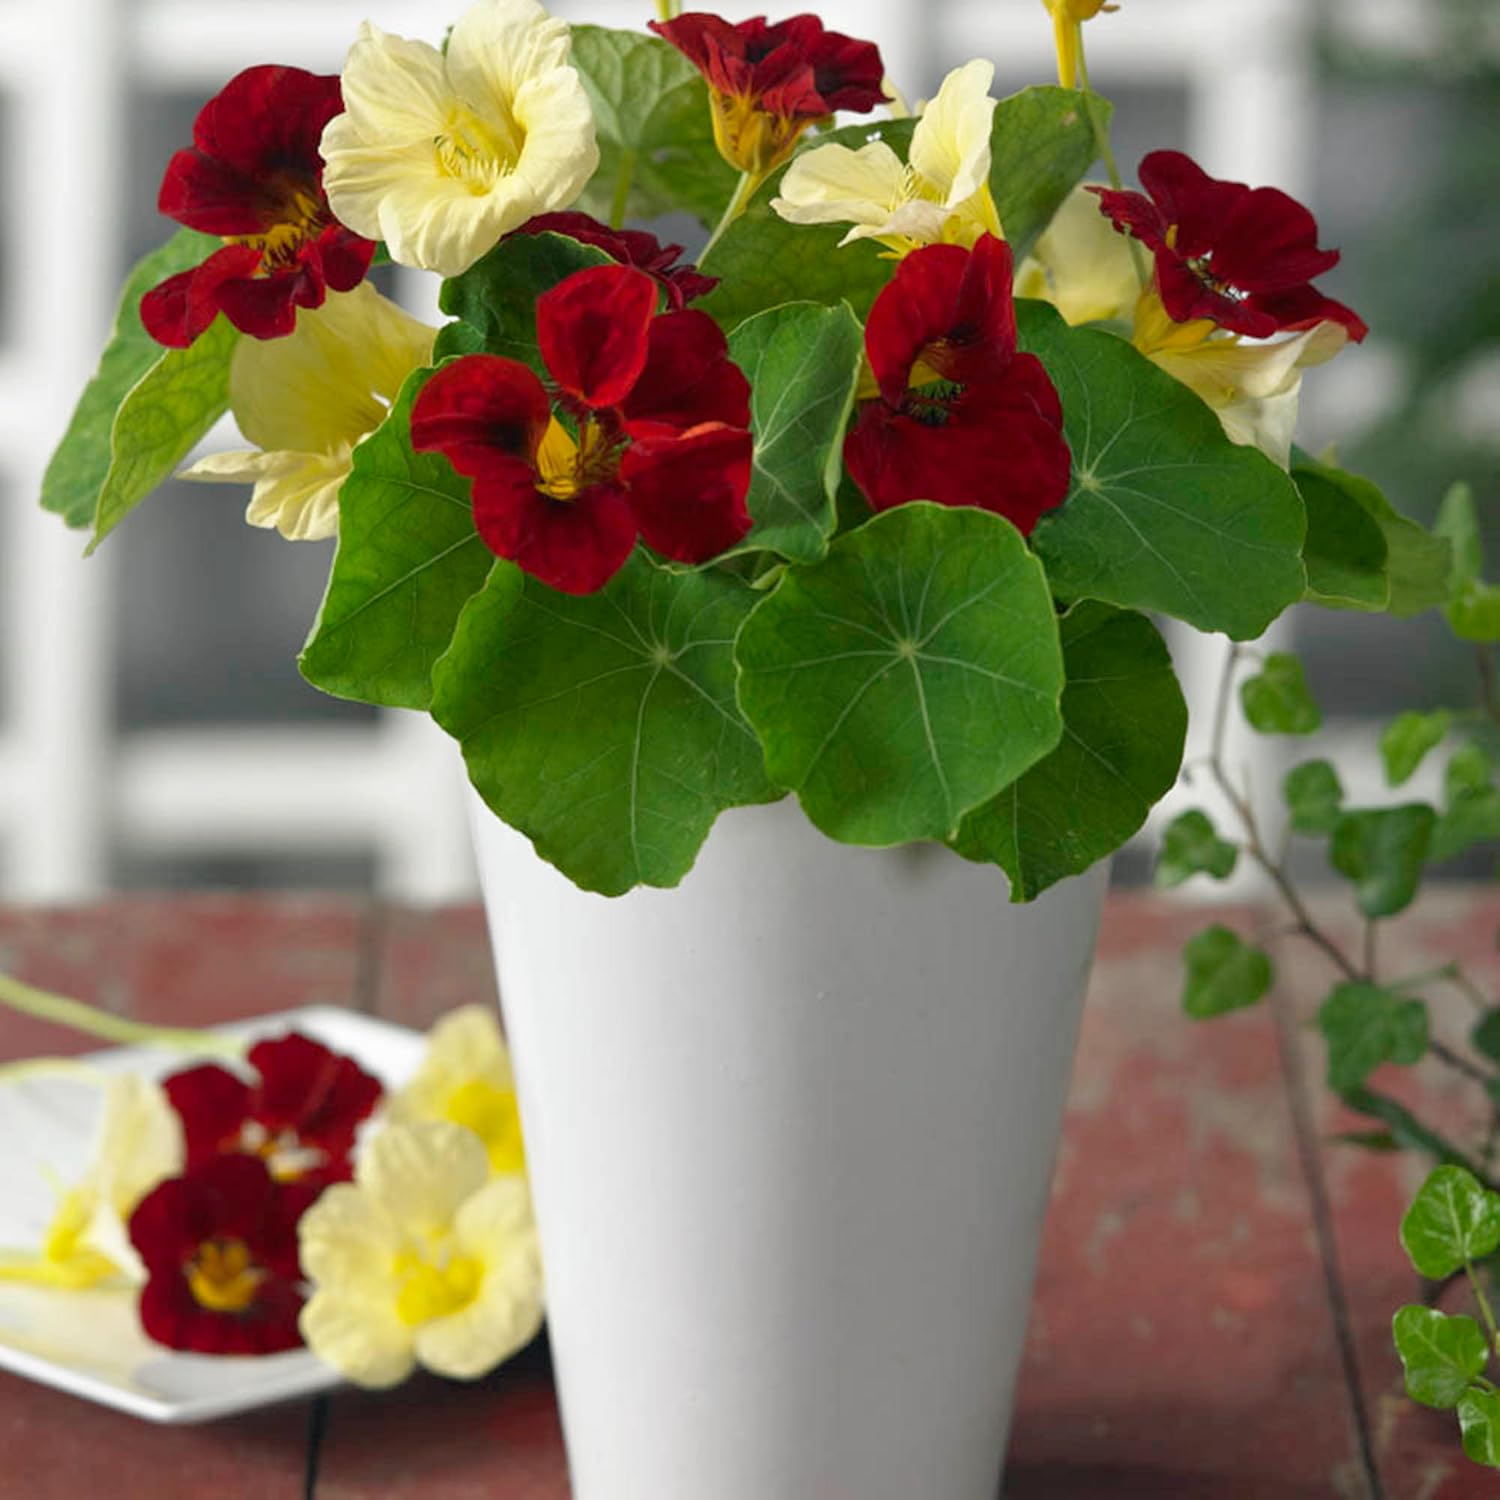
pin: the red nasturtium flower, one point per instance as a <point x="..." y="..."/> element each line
<point x="254" y="176"/>
<point x="299" y="1116"/>
<point x="962" y="417"/>
<point x="630" y="247"/>
<point x="219" y="1245"/>
<point x="1243" y="257"/>
<point x="644" y="435"/>
<point x="768" y="83"/>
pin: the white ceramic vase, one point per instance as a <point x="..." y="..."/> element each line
<point x="791" y="1128"/>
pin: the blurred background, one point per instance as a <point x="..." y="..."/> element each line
<point x="153" y="728"/>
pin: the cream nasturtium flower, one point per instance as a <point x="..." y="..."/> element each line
<point x="307" y="400"/>
<point x="942" y="196"/>
<point x="439" y="154"/>
<point x="139" y="1145"/>
<point x="465" y="1077"/>
<point x="1083" y="266"/>
<point x="423" y="1259"/>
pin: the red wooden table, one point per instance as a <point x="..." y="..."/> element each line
<point x="1211" y="1316"/>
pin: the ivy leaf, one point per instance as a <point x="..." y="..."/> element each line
<point x="1468" y="771"/>
<point x="77" y="469"/>
<point x="1479" y="1421"/>
<point x="1454" y="1220"/>
<point x="1277" y="701"/>
<point x="1365" y="1026"/>
<point x="1417" y="564"/>
<point x="1409" y="1132"/>
<point x="1345" y="553"/>
<point x="1471" y="804"/>
<point x="1439" y="1354"/>
<point x="495" y="299"/>
<point x="908" y="677"/>
<point x="1474" y="615"/>
<point x="1314" y="796"/>
<point x="1485" y="1037"/>
<point x="608" y="734"/>
<point x="1224" y="973"/>
<point x="1164" y="512"/>
<point x="803" y="363"/>
<point x="1408" y="738"/>
<point x="654" y="125"/>
<point x="408" y="557"/>
<point x="1192" y="846"/>
<point x="1124" y="722"/>
<point x="165" y="413"/>
<point x="1382" y="851"/>
<point x="1458" y="521"/>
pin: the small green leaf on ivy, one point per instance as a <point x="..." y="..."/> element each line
<point x="1224" y="973"/>
<point x="1440" y="1355"/>
<point x="1479" y="1421"/>
<point x="1471" y="804"/>
<point x="1366" y="1026"/>
<point x="1485" y="1037"/>
<point x="1408" y="738"/>
<point x="1192" y="846"/>
<point x="1314" y="796"/>
<point x="1468" y="772"/>
<point x="1453" y="1221"/>
<point x="1277" y="701"/>
<point x="1382" y="851"/>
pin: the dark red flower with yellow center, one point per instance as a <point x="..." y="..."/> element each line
<point x="630" y="247"/>
<point x="254" y="176"/>
<point x="962" y="418"/>
<point x="643" y="434"/>
<point x="219" y="1245"/>
<point x="299" y="1115"/>
<point x="768" y="83"/>
<point x="1243" y="257"/>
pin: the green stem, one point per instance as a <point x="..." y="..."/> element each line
<point x="1460" y="1064"/>
<point x="1106" y="152"/>
<point x="623" y="178"/>
<point x="668" y="10"/>
<point x="92" y="1021"/>
<point x="1485" y="1311"/>
<point x="744" y="190"/>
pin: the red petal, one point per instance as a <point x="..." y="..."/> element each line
<point x="320" y="1095"/>
<point x="713" y="46"/>
<point x="688" y="376"/>
<point x="1305" y="306"/>
<point x="1186" y="296"/>
<point x="479" y="411"/>
<point x="1134" y="214"/>
<point x="593" y="328"/>
<point x="688" y="489"/>
<point x="265" y="307"/>
<point x="1199" y="205"/>
<point x="211" y="196"/>
<point x="269" y="119"/>
<point x="345" y="257"/>
<point x="213" y="1105"/>
<point x="183" y="306"/>
<point x="575" y="546"/>
<point x="1269" y="243"/>
<point x="848" y="73"/>
<point x="172" y="1317"/>
<point x="630" y="247"/>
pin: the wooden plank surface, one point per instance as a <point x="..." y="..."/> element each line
<point x="1183" y="1343"/>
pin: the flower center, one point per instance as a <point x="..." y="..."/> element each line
<point x="566" y="467"/>
<point x="478" y="153"/>
<point x="223" y="1276"/>
<point x="750" y="137"/>
<point x="434" y="1287"/>
<point x="285" y="1154"/>
<point x="296" y="216"/>
<point x="492" y="1115"/>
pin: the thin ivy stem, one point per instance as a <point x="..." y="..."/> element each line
<point x="1459" y="1063"/>
<point x="1485" y="1311"/>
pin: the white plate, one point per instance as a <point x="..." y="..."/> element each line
<point x="90" y="1343"/>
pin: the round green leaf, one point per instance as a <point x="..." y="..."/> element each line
<point x="408" y="557"/>
<point x="1124" y="721"/>
<point x="1314" y="796"/>
<point x="1276" y="700"/>
<point x="1439" y="1354"/>
<point x="1382" y="851"/>
<point x="604" y="727"/>
<point x="906" y="678"/>
<point x="1224" y="973"/>
<point x="1479" y="1421"/>
<point x="1192" y="846"/>
<point x="1408" y="738"/>
<point x="1164" y="512"/>
<point x="1365" y="1026"/>
<point x="1452" y="1221"/>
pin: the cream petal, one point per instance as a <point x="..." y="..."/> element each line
<point x="395" y="91"/>
<point x="834" y="185"/>
<point x="140" y="1142"/>
<point x="560" y="153"/>
<point x="503" y="1318"/>
<point x="439" y="225"/>
<point x="918" y="221"/>
<point x="420" y="1173"/>
<point x="951" y="145"/>
<point x="348" y="1243"/>
<point x="1089" y="273"/>
<point x="497" y="45"/>
<point x="303" y="505"/>
<point x="497" y="1220"/>
<point x="364" y="1341"/>
<point x="1268" y="423"/>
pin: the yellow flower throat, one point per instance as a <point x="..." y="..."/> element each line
<point x="223" y="1276"/>
<point x="566" y="466"/>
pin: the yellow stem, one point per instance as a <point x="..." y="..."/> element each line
<point x="668" y="10"/>
<point x="92" y="1021"/>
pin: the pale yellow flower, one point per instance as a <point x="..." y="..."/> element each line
<point x="139" y="1145"/>
<point x="465" y="1077"/>
<point x="439" y="154"/>
<point x="424" y="1258"/>
<point x="941" y="195"/>
<point x="1081" y="265"/>
<point x="307" y="400"/>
